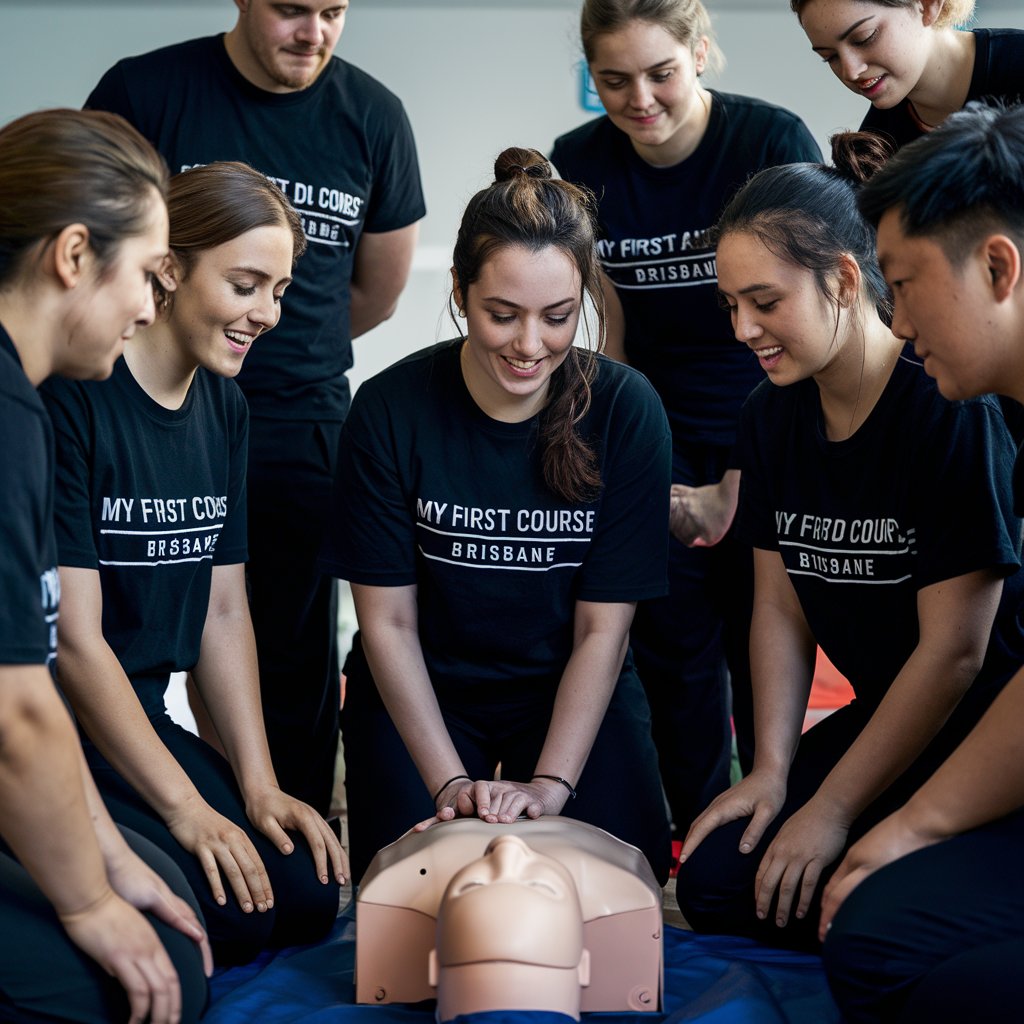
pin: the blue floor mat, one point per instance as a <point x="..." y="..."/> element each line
<point x="710" y="979"/>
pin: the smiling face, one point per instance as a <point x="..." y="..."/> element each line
<point x="231" y="295"/>
<point x="647" y="81"/>
<point x="878" y="52"/>
<point x="283" y="47"/>
<point x="952" y="314"/>
<point x="521" y="316"/>
<point x="105" y="310"/>
<point x="777" y="310"/>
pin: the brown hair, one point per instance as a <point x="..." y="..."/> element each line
<point x="954" y="12"/>
<point x="685" y="20"/>
<point x="526" y="207"/>
<point x="214" y="203"/>
<point x="61" y="167"/>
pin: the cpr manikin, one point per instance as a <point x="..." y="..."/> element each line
<point x="547" y="914"/>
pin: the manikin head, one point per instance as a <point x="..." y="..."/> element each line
<point x="510" y="935"/>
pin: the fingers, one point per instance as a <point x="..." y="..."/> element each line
<point x="173" y="910"/>
<point x="759" y="821"/>
<point x="715" y="816"/>
<point x="840" y="885"/>
<point x="244" y="872"/>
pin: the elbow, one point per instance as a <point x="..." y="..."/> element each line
<point x="31" y="718"/>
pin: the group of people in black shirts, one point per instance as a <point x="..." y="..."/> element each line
<point x="572" y="563"/>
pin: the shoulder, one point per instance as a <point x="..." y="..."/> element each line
<point x="768" y="133"/>
<point x="361" y="90"/>
<point x="624" y="395"/>
<point x="402" y="387"/>
<point x="997" y="68"/>
<point x="168" y="60"/>
<point x="588" y="139"/>
<point x="222" y="394"/>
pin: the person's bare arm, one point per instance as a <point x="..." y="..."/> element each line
<point x="45" y="819"/>
<point x="615" y="322"/>
<point x="109" y="711"/>
<point x="379" y="273"/>
<point x="982" y="780"/>
<point x="955" y="619"/>
<point x="227" y="677"/>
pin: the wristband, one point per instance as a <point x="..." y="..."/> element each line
<point x="454" y="778"/>
<point x="556" y="778"/>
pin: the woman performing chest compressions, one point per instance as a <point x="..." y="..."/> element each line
<point x="503" y="508"/>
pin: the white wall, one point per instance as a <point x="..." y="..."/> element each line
<point x="475" y="76"/>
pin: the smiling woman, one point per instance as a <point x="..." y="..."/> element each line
<point x="910" y="60"/>
<point x="502" y="510"/>
<point x="152" y="544"/>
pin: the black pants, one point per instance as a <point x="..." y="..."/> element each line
<point x="304" y="908"/>
<point x="618" y="790"/>
<point x="715" y="887"/>
<point x="294" y="606"/>
<point x="688" y="647"/>
<point x="937" y="936"/>
<point x="45" y="977"/>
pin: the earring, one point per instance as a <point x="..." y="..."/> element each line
<point x="462" y="313"/>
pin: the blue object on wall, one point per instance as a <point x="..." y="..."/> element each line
<point x="589" y="99"/>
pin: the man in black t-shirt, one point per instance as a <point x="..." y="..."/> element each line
<point x="930" y="922"/>
<point x="339" y="145"/>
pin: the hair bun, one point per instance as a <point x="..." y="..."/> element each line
<point x="858" y="156"/>
<point x="514" y="162"/>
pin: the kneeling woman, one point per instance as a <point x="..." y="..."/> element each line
<point x="151" y="539"/>
<point x="881" y="518"/>
<point x="502" y="509"/>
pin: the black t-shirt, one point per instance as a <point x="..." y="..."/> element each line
<point x="29" y="584"/>
<point x="656" y="246"/>
<point x="439" y="495"/>
<point x="341" y="150"/>
<point x="921" y="493"/>
<point x="153" y="498"/>
<point x="998" y="75"/>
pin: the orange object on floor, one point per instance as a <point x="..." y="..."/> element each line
<point x="829" y="689"/>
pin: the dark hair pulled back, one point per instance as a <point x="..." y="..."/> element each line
<point x="527" y="207"/>
<point x="807" y="214"/>
<point x="215" y="203"/>
<point x="63" y="167"/>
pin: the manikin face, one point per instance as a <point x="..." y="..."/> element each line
<point x="521" y="316"/>
<point x="951" y="314"/>
<point x="647" y="81"/>
<point x="509" y="861"/>
<point x="878" y="52"/>
<point x="283" y="47"/>
<point x="232" y="295"/>
<point x="777" y="310"/>
<point x="105" y="310"/>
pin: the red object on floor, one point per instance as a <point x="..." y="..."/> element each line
<point x="829" y="689"/>
<point x="677" y="848"/>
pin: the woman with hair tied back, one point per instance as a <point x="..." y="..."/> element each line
<point x="151" y="541"/>
<point x="911" y="60"/>
<point x="850" y="456"/>
<point x="663" y="162"/>
<point x="83" y="228"/>
<point x="502" y="511"/>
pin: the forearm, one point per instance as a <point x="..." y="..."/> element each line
<point x="227" y="677"/>
<point x="109" y="711"/>
<point x="584" y="691"/>
<point x="984" y="777"/>
<point x="782" y="653"/>
<point x="400" y="673"/>
<point x="914" y="709"/>
<point x="45" y="818"/>
<point x="615" y="322"/>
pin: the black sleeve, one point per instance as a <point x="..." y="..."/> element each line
<point x="232" y="543"/>
<point x="755" y="525"/>
<point x="70" y="414"/>
<point x="628" y="559"/>
<point x="111" y="94"/>
<point x="370" y="535"/>
<point x="397" y="197"/>
<point x="964" y="491"/>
